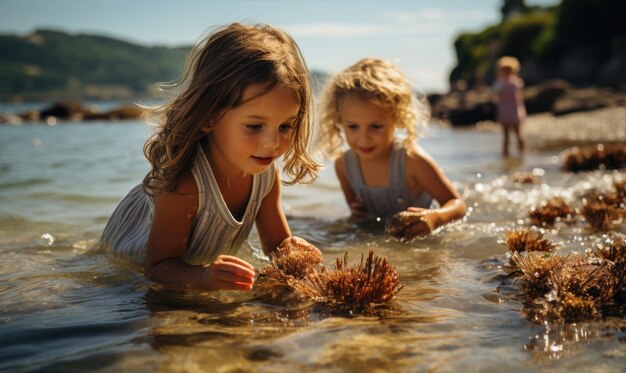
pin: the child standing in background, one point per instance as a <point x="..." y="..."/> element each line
<point x="511" y="110"/>
<point x="381" y="174"/>
<point x="245" y="100"/>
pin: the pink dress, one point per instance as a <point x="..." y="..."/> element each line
<point x="511" y="109"/>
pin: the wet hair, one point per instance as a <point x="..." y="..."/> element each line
<point x="509" y="63"/>
<point x="377" y="81"/>
<point x="218" y="70"/>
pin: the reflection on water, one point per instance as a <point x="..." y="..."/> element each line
<point x="63" y="307"/>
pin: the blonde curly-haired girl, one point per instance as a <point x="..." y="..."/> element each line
<point x="382" y="173"/>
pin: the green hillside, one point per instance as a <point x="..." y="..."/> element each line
<point x="52" y="64"/>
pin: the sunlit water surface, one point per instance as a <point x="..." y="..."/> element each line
<point x="65" y="308"/>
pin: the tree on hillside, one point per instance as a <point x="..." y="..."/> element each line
<point x="512" y="7"/>
<point x="590" y="22"/>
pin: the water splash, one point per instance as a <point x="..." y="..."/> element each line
<point x="46" y="240"/>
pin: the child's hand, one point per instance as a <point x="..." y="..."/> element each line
<point x="425" y="223"/>
<point x="358" y="210"/>
<point x="228" y="273"/>
<point x="414" y="222"/>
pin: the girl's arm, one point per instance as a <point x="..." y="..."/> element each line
<point x="271" y="222"/>
<point x="426" y="175"/>
<point x="168" y="240"/>
<point x="357" y="208"/>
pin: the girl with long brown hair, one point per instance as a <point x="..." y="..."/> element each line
<point x="244" y="100"/>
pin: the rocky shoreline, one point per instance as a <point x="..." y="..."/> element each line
<point x="559" y="116"/>
<point x="72" y="111"/>
<point x="462" y="107"/>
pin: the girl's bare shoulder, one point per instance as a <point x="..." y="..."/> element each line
<point x="339" y="163"/>
<point x="187" y="185"/>
<point x="185" y="193"/>
<point x="419" y="162"/>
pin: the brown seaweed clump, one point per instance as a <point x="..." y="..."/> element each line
<point x="290" y="264"/>
<point x="620" y="188"/>
<point x="536" y="268"/>
<point x="603" y="211"/>
<point x="570" y="308"/>
<point x="519" y="240"/>
<point x="574" y="287"/>
<point x="298" y="274"/>
<point x="550" y="211"/>
<point x="524" y="178"/>
<point x="296" y="259"/>
<point x="613" y="249"/>
<point x="610" y="156"/>
<point x="374" y="281"/>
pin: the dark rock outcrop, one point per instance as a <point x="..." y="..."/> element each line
<point x="75" y="111"/>
<point x="540" y="98"/>
<point x="556" y="96"/>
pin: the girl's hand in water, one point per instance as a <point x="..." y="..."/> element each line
<point x="412" y="223"/>
<point x="424" y="223"/>
<point x="358" y="210"/>
<point x="228" y="273"/>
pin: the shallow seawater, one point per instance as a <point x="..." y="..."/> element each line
<point x="63" y="307"/>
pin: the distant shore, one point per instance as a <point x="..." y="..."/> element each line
<point x="71" y="111"/>
<point x="543" y="130"/>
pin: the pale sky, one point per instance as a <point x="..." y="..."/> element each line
<point x="416" y="34"/>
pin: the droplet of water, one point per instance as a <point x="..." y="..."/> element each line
<point x="46" y="239"/>
<point x="556" y="348"/>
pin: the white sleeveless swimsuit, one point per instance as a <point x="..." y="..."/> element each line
<point x="214" y="230"/>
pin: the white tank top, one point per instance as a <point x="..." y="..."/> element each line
<point x="214" y="230"/>
<point x="382" y="202"/>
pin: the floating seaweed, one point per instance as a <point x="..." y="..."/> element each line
<point x="610" y="156"/>
<point x="570" y="288"/>
<point x="620" y="187"/>
<point x="613" y="248"/>
<point x="371" y="282"/>
<point x="296" y="259"/>
<point x="549" y="211"/>
<point x="296" y="275"/>
<point x="570" y="308"/>
<point x="276" y="282"/>
<point x="603" y="211"/>
<point x="524" y="178"/>
<point x="536" y="268"/>
<point x="519" y="240"/>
